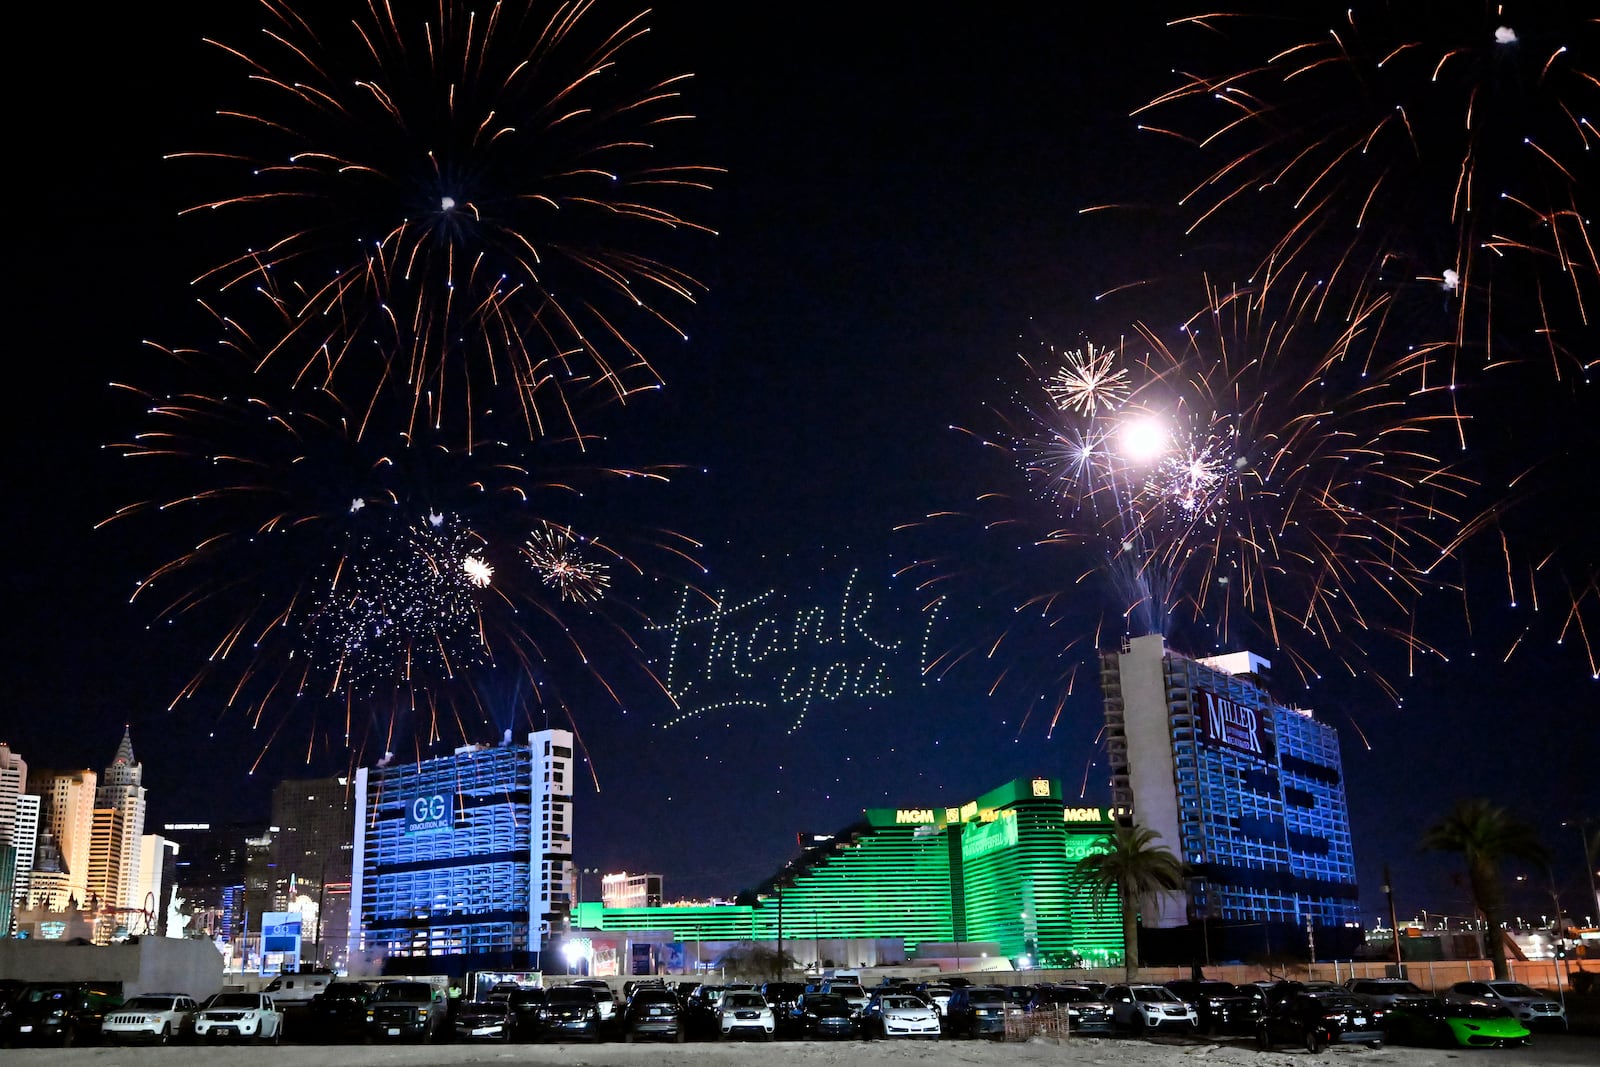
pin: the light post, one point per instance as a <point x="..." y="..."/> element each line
<point x="1588" y="857"/>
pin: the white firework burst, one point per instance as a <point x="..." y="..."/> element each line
<point x="557" y="554"/>
<point x="1089" y="381"/>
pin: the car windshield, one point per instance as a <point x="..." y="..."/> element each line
<point x="832" y="1001"/>
<point x="235" y="1000"/>
<point x="149" y="1004"/>
<point x="342" y="992"/>
<point x="1154" y="993"/>
<point x="1513" y="989"/>
<point x="986" y="996"/>
<point x="1072" y="994"/>
<point x="744" y="1000"/>
<point x="571" y="995"/>
<point x="404" y="991"/>
<point x="903" y="1002"/>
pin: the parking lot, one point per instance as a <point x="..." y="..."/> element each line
<point x="1129" y="1052"/>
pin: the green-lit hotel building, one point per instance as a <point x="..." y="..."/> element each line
<point x="995" y="870"/>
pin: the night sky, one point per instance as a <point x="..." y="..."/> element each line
<point x="902" y="215"/>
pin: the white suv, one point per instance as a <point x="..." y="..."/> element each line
<point x="239" y="1017"/>
<point x="1531" y="1007"/>
<point x="154" y="1017"/>
<point x="1150" y="1007"/>
<point x="744" y="1011"/>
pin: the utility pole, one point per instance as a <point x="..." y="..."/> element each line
<point x="1394" y="923"/>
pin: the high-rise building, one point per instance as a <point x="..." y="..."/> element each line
<point x="19" y="832"/>
<point x="464" y="862"/>
<point x="312" y="846"/>
<point x="315" y="825"/>
<point x="156" y="855"/>
<point x="25" y="838"/>
<point x="13" y="786"/>
<point x="67" y="800"/>
<point x="1248" y="792"/>
<point x="209" y="873"/>
<point x="118" y="825"/>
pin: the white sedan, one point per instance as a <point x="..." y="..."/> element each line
<point x="901" y="1016"/>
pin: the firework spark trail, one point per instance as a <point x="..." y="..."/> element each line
<point x="468" y="203"/>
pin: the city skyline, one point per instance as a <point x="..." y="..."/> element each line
<point x="905" y="211"/>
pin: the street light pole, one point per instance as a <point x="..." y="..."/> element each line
<point x="1394" y="923"/>
<point x="1588" y="858"/>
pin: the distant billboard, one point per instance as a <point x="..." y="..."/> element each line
<point x="431" y="811"/>
<point x="1225" y="721"/>
<point x="280" y="932"/>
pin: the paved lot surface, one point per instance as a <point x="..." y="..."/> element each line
<point x="1547" y="1049"/>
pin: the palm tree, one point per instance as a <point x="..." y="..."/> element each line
<point x="1129" y="867"/>
<point x="1485" y="833"/>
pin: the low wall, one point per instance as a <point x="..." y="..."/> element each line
<point x="145" y="965"/>
<point x="1435" y="976"/>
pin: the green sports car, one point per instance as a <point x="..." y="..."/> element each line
<point x="1467" y="1025"/>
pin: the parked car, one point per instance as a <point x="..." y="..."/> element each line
<point x="571" y="1011"/>
<point x="852" y="991"/>
<point x="937" y="994"/>
<point x="527" y="1007"/>
<point x="1219" y="1007"/>
<point x="1318" y="1019"/>
<point x="1389" y="993"/>
<point x="700" y="1010"/>
<point x="1141" y="1007"/>
<point x="485" y="1020"/>
<point x="406" y="1010"/>
<point x="339" y="1012"/>
<point x="745" y="1013"/>
<point x="605" y="1000"/>
<point x="977" y="1011"/>
<point x="1465" y="1024"/>
<point x="1531" y="1007"/>
<point x="239" y="1017"/>
<point x="1086" y="1012"/>
<point x="782" y="997"/>
<point x="654" y="1013"/>
<point x="152" y="1018"/>
<point x="826" y="1015"/>
<point x="897" y="1014"/>
<point x="58" y="1013"/>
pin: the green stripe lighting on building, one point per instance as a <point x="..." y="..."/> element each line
<point x="995" y="869"/>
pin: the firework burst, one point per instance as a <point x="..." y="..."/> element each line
<point x="474" y="202"/>
<point x="1265" y="480"/>
<point x="556" y="553"/>
<point x="378" y="572"/>
<point x="1446" y="151"/>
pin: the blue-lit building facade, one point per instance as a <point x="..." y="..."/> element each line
<point x="1251" y="794"/>
<point x="464" y="862"/>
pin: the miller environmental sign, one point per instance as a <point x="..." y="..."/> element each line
<point x="1226" y="722"/>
